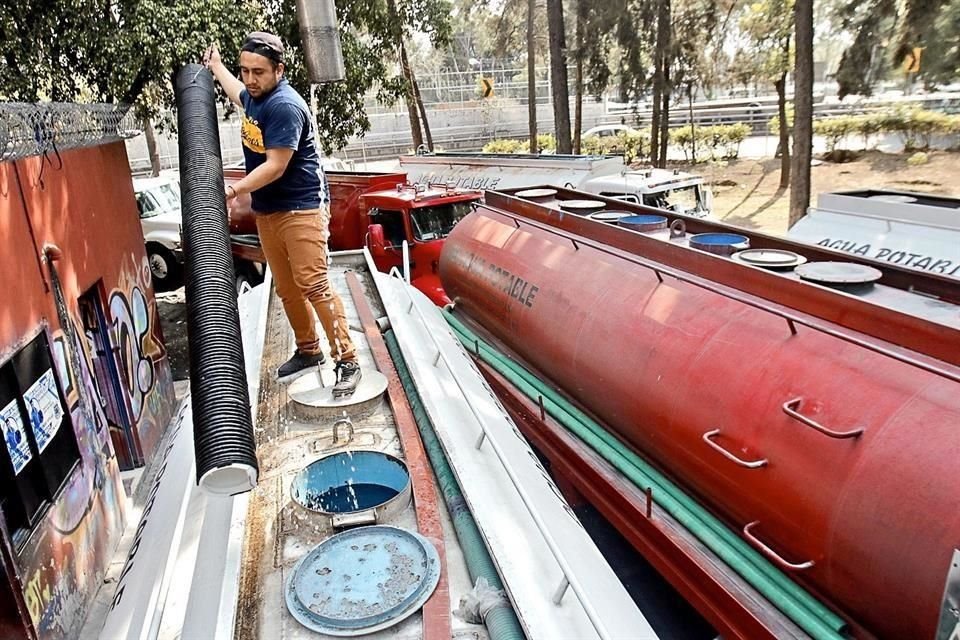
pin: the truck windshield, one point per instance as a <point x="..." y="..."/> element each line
<point x="432" y="223"/>
<point x="162" y="199"/>
<point x="680" y="200"/>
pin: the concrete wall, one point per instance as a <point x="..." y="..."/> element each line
<point x="464" y="126"/>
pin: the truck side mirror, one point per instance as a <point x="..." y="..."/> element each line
<point x="375" y="240"/>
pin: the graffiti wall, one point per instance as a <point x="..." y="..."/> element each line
<point x="86" y="209"/>
<point x="145" y="369"/>
<point x="67" y="555"/>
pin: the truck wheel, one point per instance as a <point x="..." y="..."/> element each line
<point x="247" y="276"/>
<point x="163" y="267"/>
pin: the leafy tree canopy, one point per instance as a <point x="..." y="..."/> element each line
<point x="128" y="50"/>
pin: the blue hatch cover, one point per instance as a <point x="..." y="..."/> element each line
<point x="363" y="580"/>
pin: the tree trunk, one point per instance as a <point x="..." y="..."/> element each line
<point x="415" y="132"/>
<point x="655" y="116"/>
<point x="693" y="127"/>
<point x="558" y="73"/>
<point x="578" y="100"/>
<point x="423" y="110"/>
<point x="667" y="24"/>
<point x="665" y="119"/>
<point x="784" y="145"/>
<point x="532" y="75"/>
<point x="151" y="135"/>
<point x="660" y="63"/>
<point x="803" y="111"/>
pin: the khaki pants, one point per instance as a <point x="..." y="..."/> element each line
<point x="295" y="245"/>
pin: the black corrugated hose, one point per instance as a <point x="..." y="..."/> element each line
<point x="223" y="431"/>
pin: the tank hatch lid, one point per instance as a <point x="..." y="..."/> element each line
<point x="770" y="258"/>
<point x="363" y="580"/>
<point x="838" y="273"/>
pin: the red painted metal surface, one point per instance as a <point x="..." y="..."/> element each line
<point x="82" y="203"/>
<point x="698" y="375"/>
<point x="436" y="612"/>
<point x="847" y="312"/>
<point x="731" y="606"/>
<point x="931" y="283"/>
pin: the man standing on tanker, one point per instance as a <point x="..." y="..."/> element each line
<point x="291" y="201"/>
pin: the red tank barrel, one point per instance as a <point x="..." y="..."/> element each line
<point x="837" y="457"/>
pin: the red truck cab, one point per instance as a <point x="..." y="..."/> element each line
<point x="421" y="217"/>
<point x="377" y="210"/>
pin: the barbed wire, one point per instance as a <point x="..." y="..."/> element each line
<point x="28" y="129"/>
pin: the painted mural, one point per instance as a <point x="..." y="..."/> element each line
<point x="73" y="545"/>
<point x="136" y="327"/>
<point x="75" y="542"/>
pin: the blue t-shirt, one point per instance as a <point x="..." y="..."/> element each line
<point x="281" y="120"/>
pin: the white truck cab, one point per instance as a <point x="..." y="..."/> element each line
<point x="916" y="230"/>
<point x="672" y="190"/>
<point x="603" y="175"/>
<point x="158" y="202"/>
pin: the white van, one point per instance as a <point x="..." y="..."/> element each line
<point x="158" y="200"/>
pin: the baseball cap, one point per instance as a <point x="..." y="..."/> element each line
<point x="265" y="44"/>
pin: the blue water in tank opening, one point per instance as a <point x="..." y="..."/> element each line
<point x="349" y="481"/>
<point x="644" y="219"/>
<point x="353" y="497"/>
<point x="718" y="238"/>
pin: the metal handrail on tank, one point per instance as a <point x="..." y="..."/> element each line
<point x="791" y="319"/>
<point x="569" y="579"/>
<point x="792" y="409"/>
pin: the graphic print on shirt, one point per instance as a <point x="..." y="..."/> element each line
<point x="251" y="135"/>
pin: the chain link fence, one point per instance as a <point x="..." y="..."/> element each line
<point x="464" y="88"/>
<point x="38" y="129"/>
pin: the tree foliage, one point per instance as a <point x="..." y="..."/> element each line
<point x="618" y="47"/>
<point x="370" y="37"/>
<point x="128" y="50"/>
<point x="696" y="40"/>
<point x="886" y="31"/>
<point x="941" y="59"/>
<point x="768" y="27"/>
<point x="114" y="51"/>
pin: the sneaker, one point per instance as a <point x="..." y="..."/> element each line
<point x="348" y="376"/>
<point x="298" y="363"/>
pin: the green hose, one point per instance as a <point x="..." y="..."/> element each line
<point x="501" y="621"/>
<point x="786" y="595"/>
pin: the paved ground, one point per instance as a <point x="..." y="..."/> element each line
<point x="173" y="321"/>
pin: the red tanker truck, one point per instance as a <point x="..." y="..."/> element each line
<point x="817" y="416"/>
<point x="402" y="225"/>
